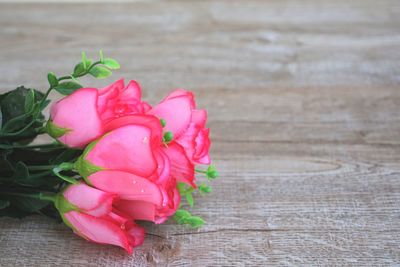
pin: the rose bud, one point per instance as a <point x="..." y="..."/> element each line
<point x="89" y="212"/>
<point x="128" y="161"/>
<point x="79" y="118"/>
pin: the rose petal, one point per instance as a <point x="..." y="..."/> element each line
<point x="181" y="167"/>
<point x="149" y="121"/>
<point x="127" y="148"/>
<point x="78" y="113"/>
<point x="127" y="186"/>
<point x="89" y="199"/>
<point x="98" y="230"/>
<point x="176" y="111"/>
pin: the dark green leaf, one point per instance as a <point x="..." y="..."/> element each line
<point x="29" y="100"/>
<point x="44" y="104"/>
<point x="4" y="204"/>
<point x="67" y="88"/>
<point x="51" y="77"/>
<point x="79" y="69"/>
<point x="100" y="72"/>
<point x="111" y="63"/>
<point x="28" y="204"/>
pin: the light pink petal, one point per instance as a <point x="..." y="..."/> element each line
<point x="187" y="140"/>
<point x="127" y="186"/>
<point x="132" y="91"/>
<point x="98" y="230"/>
<point x="78" y="112"/>
<point x="206" y="160"/>
<point x="177" y="113"/>
<point x="89" y="199"/>
<point x="203" y="143"/>
<point x="109" y="92"/>
<point x="162" y="175"/>
<point x="181" y="167"/>
<point x="127" y="148"/>
<point x="184" y="93"/>
<point x="199" y="117"/>
<point x="145" y="107"/>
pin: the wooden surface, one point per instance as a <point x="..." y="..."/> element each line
<point x="304" y="105"/>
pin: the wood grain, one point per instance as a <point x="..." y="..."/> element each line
<point x="304" y="106"/>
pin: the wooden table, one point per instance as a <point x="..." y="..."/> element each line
<point x="304" y="105"/>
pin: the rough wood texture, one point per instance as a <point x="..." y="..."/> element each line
<point x="304" y="105"/>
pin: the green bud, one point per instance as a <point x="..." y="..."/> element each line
<point x="163" y="122"/>
<point x="168" y="136"/>
<point x="212" y="174"/>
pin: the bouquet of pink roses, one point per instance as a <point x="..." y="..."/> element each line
<point x="115" y="159"/>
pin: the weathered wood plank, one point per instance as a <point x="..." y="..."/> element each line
<point x="303" y="101"/>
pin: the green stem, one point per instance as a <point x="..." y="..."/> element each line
<point x="200" y="171"/>
<point x="41" y="195"/>
<point x="41" y="167"/>
<point x="66" y="166"/>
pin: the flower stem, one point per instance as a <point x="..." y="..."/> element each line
<point x="200" y="171"/>
<point x="41" y="167"/>
<point x="42" y="196"/>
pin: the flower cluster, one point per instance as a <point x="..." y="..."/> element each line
<point x="134" y="156"/>
<point x="119" y="160"/>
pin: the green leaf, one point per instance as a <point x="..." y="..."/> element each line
<point x="79" y="69"/>
<point x="184" y="217"/>
<point x="44" y="104"/>
<point x="4" y="204"/>
<point x="100" y="72"/>
<point x="28" y="204"/>
<point x="29" y="100"/>
<point x="182" y="187"/>
<point x="51" y="77"/>
<point x="181" y="216"/>
<point x="67" y="88"/>
<point x="111" y="63"/>
<point x="189" y="199"/>
<point x="84" y="60"/>
<point x="195" y="221"/>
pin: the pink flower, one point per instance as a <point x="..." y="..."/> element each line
<point x="90" y="213"/>
<point x="186" y="123"/>
<point x="128" y="161"/>
<point x="79" y="118"/>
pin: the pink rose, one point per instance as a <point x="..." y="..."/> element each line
<point x="129" y="161"/>
<point x="186" y="123"/>
<point x="90" y="213"/>
<point x="79" y="118"/>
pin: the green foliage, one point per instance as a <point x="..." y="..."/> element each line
<point x="21" y="114"/>
<point x="111" y="63"/>
<point x="67" y="88"/>
<point x="204" y="189"/>
<point x="184" y="217"/>
<point x="100" y="72"/>
<point x="186" y="191"/>
<point x="52" y="79"/>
